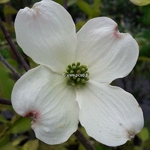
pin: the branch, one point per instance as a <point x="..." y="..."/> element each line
<point x="5" y="101"/>
<point x="13" y="46"/>
<point x="9" y="66"/>
<point x="83" y="140"/>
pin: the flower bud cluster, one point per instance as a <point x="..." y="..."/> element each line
<point x="77" y="74"/>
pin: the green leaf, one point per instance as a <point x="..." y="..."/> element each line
<point x="85" y="7"/>
<point x="2" y="37"/>
<point x="144" y="59"/>
<point x="96" y="8"/>
<point x="3" y="129"/>
<point x="81" y="147"/>
<point x="31" y="145"/>
<point x="18" y="140"/>
<point x="71" y="2"/>
<point x="96" y="4"/>
<point x="21" y="125"/>
<point x="9" y="27"/>
<point x="43" y="146"/>
<point x="14" y="64"/>
<point x="2" y="119"/>
<point x="8" y="146"/>
<point x="138" y="148"/>
<point x="144" y="134"/>
<point x="79" y="24"/>
<point x="4" y="140"/>
<point x="59" y="1"/>
<point x="6" y="83"/>
<point x="4" y="1"/>
<point x="9" y="10"/>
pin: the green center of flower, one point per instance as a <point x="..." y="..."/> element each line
<point x="76" y="74"/>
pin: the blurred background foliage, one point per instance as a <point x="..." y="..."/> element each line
<point x="15" y="132"/>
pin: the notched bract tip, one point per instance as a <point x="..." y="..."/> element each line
<point x="34" y="115"/>
<point x="131" y="135"/>
<point x="117" y="34"/>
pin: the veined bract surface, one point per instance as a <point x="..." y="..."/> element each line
<point x="57" y="103"/>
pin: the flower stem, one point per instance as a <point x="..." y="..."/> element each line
<point x="9" y="66"/>
<point x="13" y="46"/>
<point x="5" y="101"/>
<point x="84" y="140"/>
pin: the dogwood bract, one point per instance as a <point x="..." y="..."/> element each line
<point x="71" y="84"/>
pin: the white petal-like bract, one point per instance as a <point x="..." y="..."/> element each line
<point x="107" y="53"/>
<point x="46" y="33"/>
<point x="109" y="114"/>
<point x="54" y="116"/>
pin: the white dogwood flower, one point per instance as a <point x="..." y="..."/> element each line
<point x="71" y="84"/>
